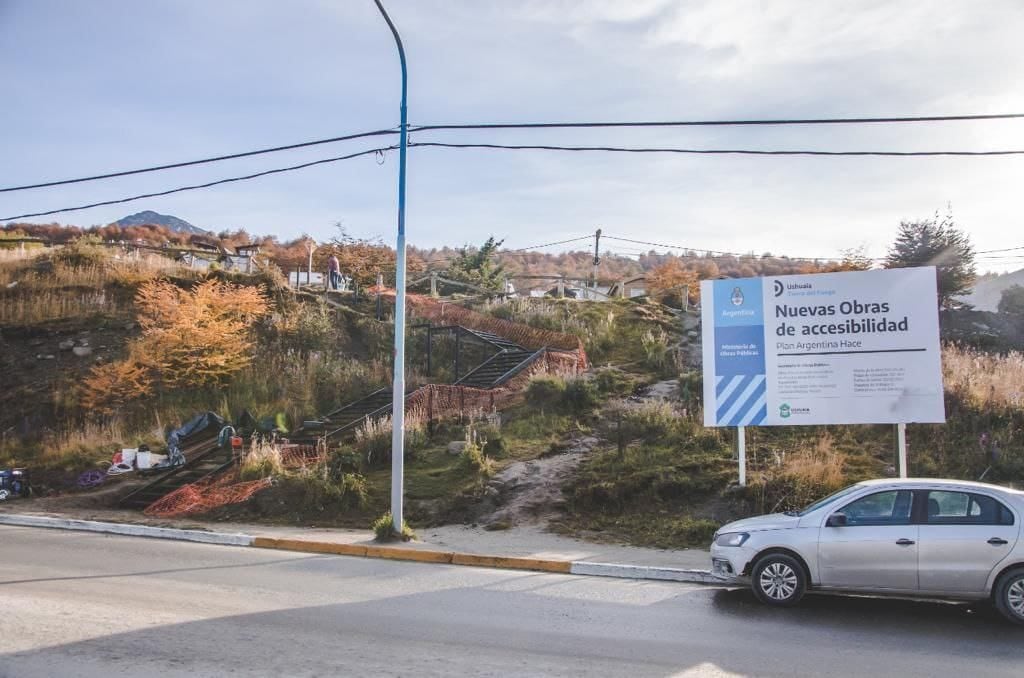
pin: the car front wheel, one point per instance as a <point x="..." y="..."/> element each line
<point x="778" y="579"/>
<point x="1009" y="596"/>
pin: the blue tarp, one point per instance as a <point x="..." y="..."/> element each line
<point x="198" y="423"/>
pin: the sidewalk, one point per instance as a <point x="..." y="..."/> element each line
<point x="525" y="543"/>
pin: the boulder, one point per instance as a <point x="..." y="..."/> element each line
<point x="66" y="345"/>
<point x="45" y="356"/>
<point x="82" y="351"/>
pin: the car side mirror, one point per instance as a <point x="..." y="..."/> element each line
<point x="836" y="520"/>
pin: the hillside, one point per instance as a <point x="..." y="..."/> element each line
<point x="101" y="353"/>
<point x="169" y="222"/>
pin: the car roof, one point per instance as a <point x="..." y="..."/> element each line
<point x="939" y="482"/>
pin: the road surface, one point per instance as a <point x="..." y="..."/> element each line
<point x="79" y="604"/>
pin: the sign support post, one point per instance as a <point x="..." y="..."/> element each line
<point x="741" y="452"/>
<point x="901" y="446"/>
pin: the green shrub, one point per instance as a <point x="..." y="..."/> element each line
<point x="658" y="355"/>
<point x="473" y="458"/>
<point x="385" y="530"/>
<point x="580" y="396"/>
<point x="354" y="490"/>
<point x="545" y="392"/>
<point x="613" y="382"/>
<point x="342" y="462"/>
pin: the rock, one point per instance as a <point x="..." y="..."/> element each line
<point x="83" y="342"/>
<point x="66" y="345"/>
<point x="128" y="327"/>
<point x="45" y="356"/>
<point x="497" y="525"/>
<point x="490" y="492"/>
<point x="457" y="447"/>
<point x="82" y="351"/>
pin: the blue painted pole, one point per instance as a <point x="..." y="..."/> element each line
<point x="398" y="391"/>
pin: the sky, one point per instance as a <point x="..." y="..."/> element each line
<point x="105" y="85"/>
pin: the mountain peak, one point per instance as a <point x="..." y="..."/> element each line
<point x="165" y="220"/>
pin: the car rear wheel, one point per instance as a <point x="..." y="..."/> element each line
<point x="1009" y="596"/>
<point x="778" y="579"/>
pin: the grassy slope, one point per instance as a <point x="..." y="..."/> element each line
<point x="669" y="488"/>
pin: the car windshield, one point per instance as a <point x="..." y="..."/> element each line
<point x="821" y="502"/>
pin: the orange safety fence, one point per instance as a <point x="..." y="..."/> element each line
<point x="206" y="495"/>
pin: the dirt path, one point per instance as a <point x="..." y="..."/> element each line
<point x="530" y="492"/>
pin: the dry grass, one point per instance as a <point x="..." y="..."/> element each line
<point x="820" y="466"/>
<point x="795" y="479"/>
<point x="28" y="309"/>
<point x="262" y="461"/>
<point x="986" y="379"/>
<point x="33" y="290"/>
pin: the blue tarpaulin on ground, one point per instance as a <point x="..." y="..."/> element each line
<point x="197" y="424"/>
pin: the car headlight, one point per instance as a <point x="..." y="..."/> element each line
<point x="731" y="539"/>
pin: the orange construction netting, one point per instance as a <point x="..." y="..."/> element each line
<point x="205" y="495"/>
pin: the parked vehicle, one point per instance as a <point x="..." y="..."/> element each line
<point x="919" y="537"/>
<point x="13" y="483"/>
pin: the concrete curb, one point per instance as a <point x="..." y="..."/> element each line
<point x="127" y="529"/>
<point x="370" y="550"/>
<point x="415" y="555"/>
<point x="644" y="572"/>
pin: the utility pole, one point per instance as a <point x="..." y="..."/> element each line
<point x="310" y="248"/>
<point x="398" y="391"/>
<point x="597" y="254"/>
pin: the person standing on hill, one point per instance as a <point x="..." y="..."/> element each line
<point x="334" y="271"/>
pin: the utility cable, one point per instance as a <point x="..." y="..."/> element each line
<point x="528" y="126"/>
<point x="720" y="123"/>
<point x="206" y="185"/>
<point x="707" y="151"/>
<point x="203" y="161"/>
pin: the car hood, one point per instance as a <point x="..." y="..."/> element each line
<point x="773" y="521"/>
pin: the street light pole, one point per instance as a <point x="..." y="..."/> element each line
<point x="398" y="391"/>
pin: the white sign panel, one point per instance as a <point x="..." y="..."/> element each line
<point x="830" y="348"/>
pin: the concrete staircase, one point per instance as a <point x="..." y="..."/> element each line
<point x="204" y="457"/>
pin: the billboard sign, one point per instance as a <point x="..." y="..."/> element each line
<point x="859" y="347"/>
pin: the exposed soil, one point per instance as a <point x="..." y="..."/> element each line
<point x="35" y="367"/>
<point x="531" y="492"/>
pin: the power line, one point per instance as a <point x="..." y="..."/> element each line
<point x="246" y="177"/>
<point x="551" y="244"/>
<point x="712" y="252"/>
<point x="202" y="161"/>
<point x="525" y="126"/>
<point x="721" y="123"/>
<point x="707" y="151"/>
<point x="1005" y="249"/>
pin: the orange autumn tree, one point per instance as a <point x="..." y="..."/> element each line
<point x="111" y="387"/>
<point x="668" y="281"/>
<point x="191" y="338"/>
<point x="198" y="337"/>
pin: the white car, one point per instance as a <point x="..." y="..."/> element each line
<point x="918" y="537"/>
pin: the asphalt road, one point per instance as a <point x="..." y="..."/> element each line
<point x="77" y="604"/>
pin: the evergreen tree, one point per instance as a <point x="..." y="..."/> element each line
<point x="478" y="266"/>
<point x="937" y="242"/>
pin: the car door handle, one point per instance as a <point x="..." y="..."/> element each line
<point x="905" y="542"/>
<point x="996" y="541"/>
